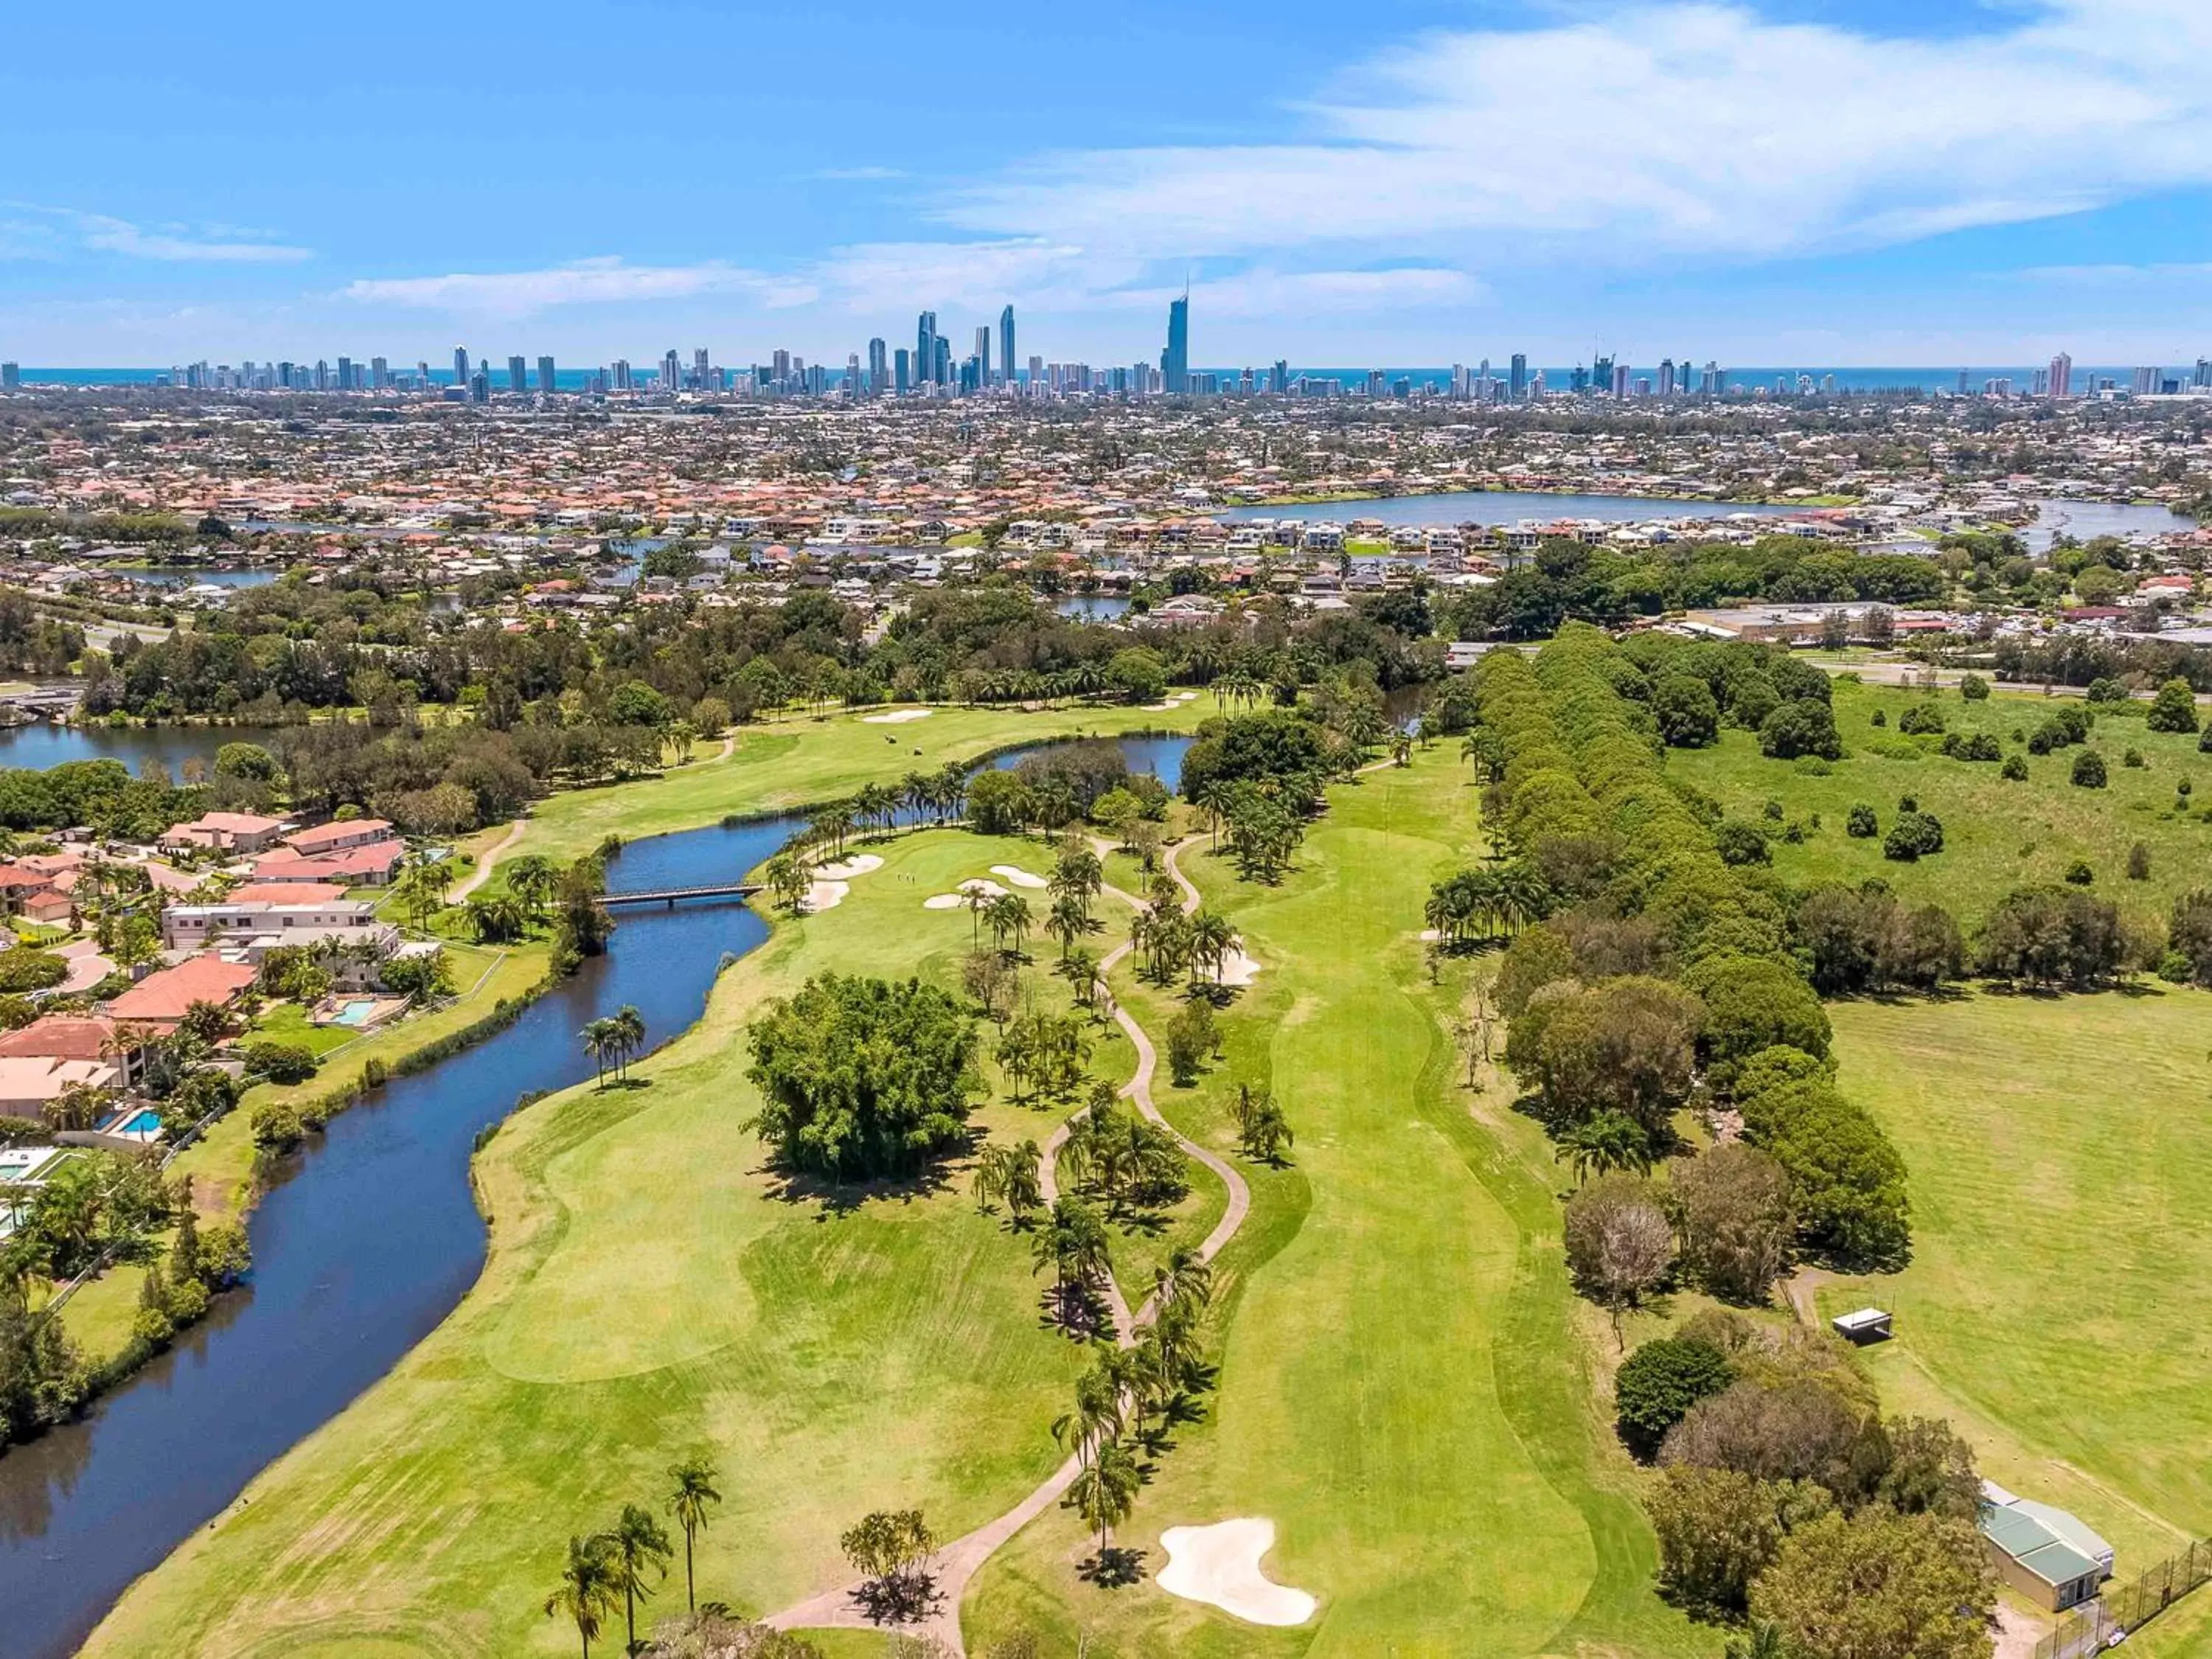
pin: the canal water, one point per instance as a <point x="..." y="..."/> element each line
<point x="369" y="1242"/>
<point x="1500" y="507"/>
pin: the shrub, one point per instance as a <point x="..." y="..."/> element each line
<point x="1732" y="1207"/>
<point x="1802" y="727"/>
<point x="280" y="1062"/>
<point x="24" y="969"/>
<point x="1881" y="718"/>
<point x="2173" y="709"/>
<point x="2089" y="770"/>
<point x="1973" y="746"/>
<point x="1974" y="689"/>
<point x="1658" y="1383"/>
<point x="1863" y="825"/>
<point x="1914" y="835"/>
<point x="2133" y="758"/>
<point x="2204" y="742"/>
<point x="2139" y="862"/>
<point x="2014" y="770"/>
<point x="276" y="1128"/>
<point x="1741" y="843"/>
<point x="1921" y="720"/>
<point x="2079" y="873"/>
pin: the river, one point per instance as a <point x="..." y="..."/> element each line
<point x="369" y="1242"/>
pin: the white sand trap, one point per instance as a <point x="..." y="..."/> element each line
<point x="956" y="901"/>
<point x="1219" y="1565"/>
<point x="897" y="717"/>
<point x="1019" y="876"/>
<point x="826" y="896"/>
<point x="1429" y="936"/>
<point x="1238" y="968"/>
<point x="859" y="865"/>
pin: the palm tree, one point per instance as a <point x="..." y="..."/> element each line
<point x="1008" y="1175"/>
<point x="638" y="1544"/>
<point x="690" y="1493"/>
<point x="1105" y="1491"/>
<point x="1212" y="941"/>
<point x="629" y="1033"/>
<point x="533" y="879"/>
<point x="1067" y="922"/>
<point x="601" y="1041"/>
<point x="587" y="1588"/>
<point x="1008" y="914"/>
<point x="1607" y="1142"/>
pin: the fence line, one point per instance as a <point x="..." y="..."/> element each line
<point x="2128" y="1609"/>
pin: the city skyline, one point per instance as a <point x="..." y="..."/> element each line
<point x="2015" y="182"/>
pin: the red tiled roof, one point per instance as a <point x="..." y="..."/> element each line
<point x="286" y="892"/>
<point x="170" y="994"/>
<point x="313" y="841"/>
<point x="58" y="1036"/>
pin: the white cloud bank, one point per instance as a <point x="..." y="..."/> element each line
<point x="33" y="231"/>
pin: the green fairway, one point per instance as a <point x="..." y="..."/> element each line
<point x="2062" y="1183"/>
<point x="802" y="761"/>
<point x="1403" y="1390"/>
<point x="651" y="1292"/>
<point x="1998" y="835"/>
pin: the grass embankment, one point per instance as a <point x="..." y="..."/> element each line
<point x="222" y="1163"/>
<point x="652" y="1291"/>
<point x="2062" y="1193"/>
<point x="1403" y="1390"/>
<point x="799" y="762"/>
<point x="1997" y="835"/>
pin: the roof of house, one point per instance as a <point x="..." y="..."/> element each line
<point x="37" y="1077"/>
<point x="375" y="855"/>
<point x="14" y="876"/>
<point x="170" y="994"/>
<point x="324" y="835"/>
<point x="59" y="1036"/>
<point x="2028" y="1540"/>
<point x="286" y="892"/>
<point x="238" y="824"/>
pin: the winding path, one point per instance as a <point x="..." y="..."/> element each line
<point x="489" y="861"/>
<point x="958" y="1561"/>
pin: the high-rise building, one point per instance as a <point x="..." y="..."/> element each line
<point x="1037" y="372"/>
<point x="982" y="357"/>
<point x="672" y="371"/>
<point x="853" y="375"/>
<point x="902" y="371"/>
<point x="703" y="370"/>
<point x="345" y="374"/>
<point x="1006" y="344"/>
<point x="545" y="376"/>
<point x="878" y="368"/>
<point x="11" y="377"/>
<point x="924" y="347"/>
<point x="1961" y="387"/>
<point x="1175" y="361"/>
<point x="2146" y="382"/>
<point x="1666" y="377"/>
<point x="1600" y="374"/>
<point x="1620" y="381"/>
<point x="1518" y="377"/>
<point x="2201" y="380"/>
<point x="479" y="386"/>
<point x="940" y="361"/>
<point x="379" y="374"/>
<point x="460" y="366"/>
<point x="623" y="382"/>
<point x="1279" y="377"/>
<point x="518" y="376"/>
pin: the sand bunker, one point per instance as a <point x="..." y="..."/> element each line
<point x="1238" y="968"/>
<point x="826" y="896"/>
<point x="859" y="865"/>
<point x="1429" y="936"/>
<point x="989" y="890"/>
<point x="1219" y="1565"/>
<point x="1019" y="876"/>
<point x="897" y="717"/>
<point x="1180" y="697"/>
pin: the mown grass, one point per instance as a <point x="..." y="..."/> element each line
<point x="1998" y="835"/>
<point x="653" y="1289"/>
<point x="2062" y="1191"/>
<point x="797" y="762"/>
<point x="1404" y="1388"/>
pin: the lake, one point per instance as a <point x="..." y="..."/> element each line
<point x="370" y="1239"/>
<point x="2085" y="520"/>
<point x="1501" y="506"/>
<point x="41" y="745"/>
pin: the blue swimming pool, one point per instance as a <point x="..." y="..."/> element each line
<point x="144" y="1123"/>
<point x="354" y="1013"/>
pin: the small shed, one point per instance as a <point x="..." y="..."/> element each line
<point x="1867" y="1325"/>
<point x="2043" y="1553"/>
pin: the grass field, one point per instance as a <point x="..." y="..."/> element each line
<point x="2062" y="1190"/>
<point x="1403" y="1387"/>
<point x="1997" y="835"/>
<point x="799" y="762"/>
<point x="649" y="1292"/>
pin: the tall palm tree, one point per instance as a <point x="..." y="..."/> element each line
<point x="1105" y="1491"/>
<point x="1008" y="914"/>
<point x="639" y="1545"/>
<point x="533" y="879"/>
<point x="1068" y="920"/>
<point x="601" y="1041"/>
<point x="691" y="1493"/>
<point x="587" y="1590"/>
<point x="629" y="1033"/>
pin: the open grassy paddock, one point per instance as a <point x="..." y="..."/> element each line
<point x="2062" y="1190"/>
<point x="1998" y="835"/>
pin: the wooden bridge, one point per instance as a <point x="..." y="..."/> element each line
<point x="669" y="895"/>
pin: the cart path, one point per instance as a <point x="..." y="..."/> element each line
<point x="957" y="1562"/>
<point x="489" y="861"/>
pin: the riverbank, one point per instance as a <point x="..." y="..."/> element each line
<point x="1354" y="497"/>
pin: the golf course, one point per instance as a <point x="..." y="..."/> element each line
<point x="1402" y="1382"/>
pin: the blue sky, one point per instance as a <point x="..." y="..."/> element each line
<point x="1798" y="182"/>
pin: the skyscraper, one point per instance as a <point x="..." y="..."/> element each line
<point x="2062" y="376"/>
<point x="878" y="368"/>
<point x="1006" y="344"/>
<point x="622" y="374"/>
<point x="1666" y="377"/>
<point x="546" y="378"/>
<point x="460" y="366"/>
<point x="925" y="348"/>
<point x="982" y="357"/>
<point x="940" y="361"/>
<point x="1621" y="380"/>
<point x="1518" y="382"/>
<point x="379" y="374"/>
<point x="518" y="376"/>
<point x="672" y="371"/>
<point x="1175" y="361"/>
<point x="1600" y="375"/>
<point x="903" y="370"/>
<point x="11" y="376"/>
<point x="703" y="370"/>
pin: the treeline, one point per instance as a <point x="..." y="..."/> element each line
<point x="1566" y="581"/>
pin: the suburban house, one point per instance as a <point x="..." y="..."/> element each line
<point x="29" y="1083"/>
<point x="161" y="1000"/>
<point x="226" y="832"/>
<point x="2046" y="1554"/>
<point x="327" y="838"/>
<point x="76" y="1036"/>
<point x="19" y="886"/>
<point x="366" y="863"/>
<point x="262" y="908"/>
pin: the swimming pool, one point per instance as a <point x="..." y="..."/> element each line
<point x="354" y="1013"/>
<point x="144" y="1123"/>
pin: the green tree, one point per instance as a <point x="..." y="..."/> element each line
<point x="1105" y="1490"/>
<point x="1880" y="1585"/>
<point x="2174" y="707"/>
<point x="1656" y="1385"/>
<point x="692" y="1496"/>
<point x="589" y="1589"/>
<point x="639" y="1545"/>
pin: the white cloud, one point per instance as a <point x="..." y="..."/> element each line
<point x="518" y="294"/>
<point x="858" y="175"/>
<point x="50" y="232"/>
<point x="1664" y="131"/>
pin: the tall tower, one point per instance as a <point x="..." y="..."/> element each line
<point x="982" y="357"/>
<point x="925" y="348"/>
<point x="460" y="365"/>
<point x="1175" y="361"/>
<point x="1006" y="344"/>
